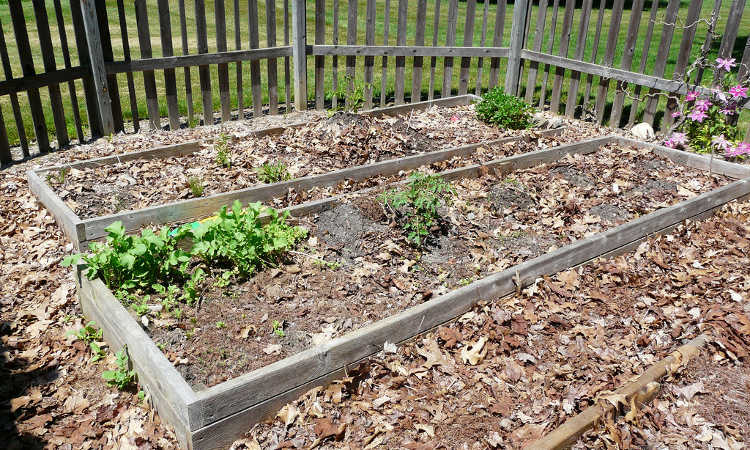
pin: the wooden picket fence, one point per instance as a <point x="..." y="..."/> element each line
<point x="609" y="61"/>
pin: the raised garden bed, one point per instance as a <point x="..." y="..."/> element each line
<point x="211" y="417"/>
<point x="81" y="219"/>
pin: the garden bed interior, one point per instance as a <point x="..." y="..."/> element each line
<point x="332" y="314"/>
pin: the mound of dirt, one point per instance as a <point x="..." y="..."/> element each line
<point x="610" y="213"/>
<point x="573" y="176"/>
<point x="344" y="228"/>
<point x="506" y="195"/>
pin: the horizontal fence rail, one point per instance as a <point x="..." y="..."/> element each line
<point x="76" y="70"/>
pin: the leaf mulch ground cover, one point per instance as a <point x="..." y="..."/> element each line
<point x="514" y="368"/>
<point x="323" y="145"/>
<point x="53" y="397"/>
<point x="357" y="267"/>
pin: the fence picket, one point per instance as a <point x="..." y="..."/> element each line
<point x="537" y="46"/>
<point x="416" y="72"/>
<point x="125" y="57"/>
<point x="497" y="41"/>
<point x="401" y="60"/>
<point x="709" y="39"/>
<point x="89" y="89"/>
<point x="170" y="81"/>
<point x="384" y="65"/>
<point x="252" y="20"/>
<point x="223" y="69"/>
<point x="595" y="51"/>
<point x="369" y="60"/>
<point x="433" y="59"/>
<point x="186" y="73"/>
<point x="609" y="57"/>
<point x="688" y="34"/>
<point x="272" y="64"/>
<point x="550" y="46"/>
<point x="661" y="57"/>
<point x="463" y="77"/>
<point x="351" y="39"/>
<point x="483" y="41"/>
<point x="48" y="58"/>
<point x="450" y="41"/>
<point x="149" y="81"/>
<point x="567" y="29"/>
<point x="320" y="60"/>
<point x="287" y="72"/>
<point x="238" y="64"/>
<point x="575" y="76"/>
<point x="13" y="96"/>
<point x="627" y="60"/>
<point x="644" y="60"/>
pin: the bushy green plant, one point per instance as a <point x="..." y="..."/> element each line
<point x="196" y="186"/>
<point x="417" y="206"/>
<point x="273" y="173"/>
<point x="121" y="378"/>
<point x="507" y="111"/>
<point x="89" y="333"/>
<point x="223" y="157"/>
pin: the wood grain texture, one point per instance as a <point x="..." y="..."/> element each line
<point x="463" y="76"/>
<point x="609" y="57"/>
<point x="399" y="81"/>
<point x="408" y="50"/>
<point x="170" y="80"/>
<point x="370" y="60"/>
<point x="299" y="54"/>
<point x="450" y="41"/>
<point x="567" y="29"/>
<point x="517" y="38"/>
<point x="186" y="71"/>
<point x="149" y="80"/>
<point x="272" y="64"/>
<point x="627" y="60"/>
<point x="662" y="54"/>
<point x="320" y="60"/>
<point x="220" y="23"/>
<point x="497" y="41"/>
<point x="550" y="46"/>
<point x="416" y="72"/>
<point x="575" y="76"/>
<point x="644" y="59"/>
<point x="204" y="73"/>
<point x="126" y="56"/>
<point x="255" y="87"/>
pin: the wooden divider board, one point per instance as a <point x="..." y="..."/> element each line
<point x="215" y="416"/>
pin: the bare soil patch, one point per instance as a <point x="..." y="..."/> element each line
<point x="357" y="268"/>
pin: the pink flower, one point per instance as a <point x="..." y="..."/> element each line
<point x="742" y="148"/>
<point x="697" y="115"/>
<point x="702" y="105"/>
<point x="722" y="143"/>
<point x="676" y="114"/>
<point x="679" y="138"/>
<point x="738" y="92"/>
<point x="691" y="95"/>
<point x="731" y="152"/>
<point x="725" y="64"/>
<point x="669" y="143"/>
<point x="454" y="118"/>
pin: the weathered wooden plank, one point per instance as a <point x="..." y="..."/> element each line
<point x="400" y="60"/>
<point x="126" y="56"/>
<point x="272" y="64"/>
<point x="40" y="80"/>
<point x="609" y="57"/>
<point x="186" y="73"/>
<point x="66" y="61"/>
<point x="287" y="73"/>
<point x="196" y="60"/>
<point x="409" y="50"/>
<point x="13" y="96"/>
<point x="170" y="81"/>
<point x="662" y="54"/>
<point x="713" y="21"/>
<point x="497" y="41"/>
<point x="567" y="29"/>
<point x="89" y="89"/>
<point x="96" y="60"/>
<point x="450" y="41"/>
<point x="550" y="46"/>
<point x="335" y="59"/>
<point x="252" y="19"/>
<point x="203" y="70"/>
<point x="627" y="60"/>
<point x="433" y="59"/>
<point x="482" y="43"/>
<point x="416" y="71"/>
<point x="27" y="67"/>
<point x="595" y="51"/>
<point x="113" y="90"/>
<point x="384" y="64"/>
<point x="64" y="216"/>
<point x="369" y="60"/>
<point x="688" y="35"/>
<point x="575" y="76"/>
<point x="5" y="156"/>
<point x="644" y="60"/>
<point x="463" y="76"/>
<point x="238" y="64"/>
<point x="517" y="39"/>
<point x="320" y="60"/>
<point x="223" y="69"/>
<point x="732" y="28"/>
<point x="744" y="68"/>
<point x="351" y="39"/>
<point x="149" y="80"/>
<point x="299" y="54"/>
<point x="168" y="390"/>
<point x="48" y="59"/>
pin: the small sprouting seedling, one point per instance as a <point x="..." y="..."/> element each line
<point x="141" y="396"/>
<point x="418" y="205"/>
<point x="273" y="173"/>
<point x="196" y="186"/>
<point x="465" y="281"/>
<point x="349" y="100"/>
<point x="331" y="265"/>
<point x="141" y="308"/>
<point x="220" y="325"/>
<point x="58" y="177"/>
<point x="177" y="313"/>
<point x="121" y="377"/>
<point x="162" y="346"/>
<point x="223" y="157"/>
<point x="97" y="351"/>
<point x="278" y="328"/>
<point x="190" y="333"/>
<point x="88" y="333"/>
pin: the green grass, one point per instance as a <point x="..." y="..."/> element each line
<point x="379" y="40"/>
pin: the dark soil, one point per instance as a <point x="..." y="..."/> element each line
<point x="573" y="176"/>
<point x="609" y="213"/>
<point x="509" y="195"/>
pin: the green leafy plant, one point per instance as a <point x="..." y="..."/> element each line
<point x="278" y="328"/>
<point x="273" y="173"/>
<point x="507" y="111"/>
<point x="220" y="325"/>
<point x="59" y="177"/>
<point x="97" y="352"/>
<point x="223" y="156"/>
<point x="89" y="333"/>
<point x="122" y="377"/>
<point x="196" y="186"/>
<point x="417" y="206"/>
<point x="346" y="100"/>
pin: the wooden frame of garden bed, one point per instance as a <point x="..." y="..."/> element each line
<point x="214" y="417"/>
<point x="80" y="231"/>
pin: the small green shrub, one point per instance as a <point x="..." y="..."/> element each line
<point x="196" y="186"/>
<point x="223" y="156"/>
<point x="349" y="101"/>
<point x="273" y="173"/>
<point x="89" y="333"/>
<point x="121" y="378"/>
<point x="505" y="110"/>
<point x="417" y="206"/>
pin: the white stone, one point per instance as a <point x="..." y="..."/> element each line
<point x="643" y="131"/>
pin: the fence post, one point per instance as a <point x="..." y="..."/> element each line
<point x="299" y="53"/>
<point x="517" y="32"/>
<point x="98" y="71"/>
